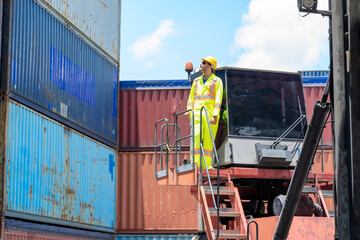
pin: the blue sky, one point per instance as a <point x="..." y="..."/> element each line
<point x="158" y="37"/>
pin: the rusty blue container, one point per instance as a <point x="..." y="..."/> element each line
<point x="98" y="21"/>
<point x="56" y="71"/>
<point x="57" y="175"/>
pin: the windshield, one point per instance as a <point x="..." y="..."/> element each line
<point x="264" y="104"/>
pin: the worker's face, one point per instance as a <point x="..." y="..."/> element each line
<point x="205" y="66"/>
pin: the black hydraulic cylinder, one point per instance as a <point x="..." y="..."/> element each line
<point x="302" y="169"/>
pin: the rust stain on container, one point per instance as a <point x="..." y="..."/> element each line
<point x="143" y="205"/>
<point x="103" y="4"/>
<point x="140" y="109"/>
<point x="31" y="190"/>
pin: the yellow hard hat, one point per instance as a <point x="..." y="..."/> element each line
<point x="211" y="60"/>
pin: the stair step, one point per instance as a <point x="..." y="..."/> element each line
<point x="224" y="212"/>
<point x="327" y="193"/>
<point x="307" y="189"/>
<point x="223" y="190"/>
<point x="230" y="234"/>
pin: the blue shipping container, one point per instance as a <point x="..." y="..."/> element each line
<point x="54" y="68"/>
<point x="36" y="229"/>
<point x="56" y="175"/>
<point x="97" y="20"/>
<point x="315" y="73"/>
<point x="155" y="84"/>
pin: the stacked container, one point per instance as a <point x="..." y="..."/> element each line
<point x="314" y="85"/>
<point x="144" y="207"/>
<point x="59" y="111"/>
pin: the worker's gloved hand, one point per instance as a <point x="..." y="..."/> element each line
<point x="213" y="120"/>
<point x="187" y="113"/>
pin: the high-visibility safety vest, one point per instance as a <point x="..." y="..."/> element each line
<point x="208" y="95"/>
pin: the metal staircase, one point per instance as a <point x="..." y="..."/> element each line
<point x="224" y="217"/>
<point x="227" y="223"/>
<point x="221" y="205"/>
<point x="320" y="195"/>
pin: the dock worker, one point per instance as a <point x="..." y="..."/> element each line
<point x="206" y="90"/>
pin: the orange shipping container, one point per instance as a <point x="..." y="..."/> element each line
<point x="323" y="162"/>
<point x="145" y="207"/>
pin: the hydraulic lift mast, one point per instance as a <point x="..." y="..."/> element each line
<point x="345" y="83"/>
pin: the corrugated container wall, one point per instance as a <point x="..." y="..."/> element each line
<point x="18" y="229"/>
<point x="52" y="67"/>
<point x="57" y="175"/>
<point x="315" y="73"/>
<point x="143" y="206"/>
<point x="98" y="20"/>
<point x="140" y="109"/>
<point x="323" y="162"/>
<point x="21" y="235"/>
<point x="312" y="93"/>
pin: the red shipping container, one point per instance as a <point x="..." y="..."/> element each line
<point x="143" y="206"/>
<point x="140" y="109"/>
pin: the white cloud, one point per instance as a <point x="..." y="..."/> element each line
<point x="151" y="44"/>
<point x="278" y="38"/>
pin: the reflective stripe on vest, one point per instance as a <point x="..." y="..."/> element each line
<point x="196" y="83"/>
<point x="206" y="152"/>
<point x="211" y="87"/>
<point x="203" y="97"/>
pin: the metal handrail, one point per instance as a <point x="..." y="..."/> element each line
<point x="178" y="140"/>
<point x="247" y="229"/>
<point x="161" y="144"/>
<point x="202" y="156"/>
<point x="167" y="135"/>
<point x="166" y="142"/>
